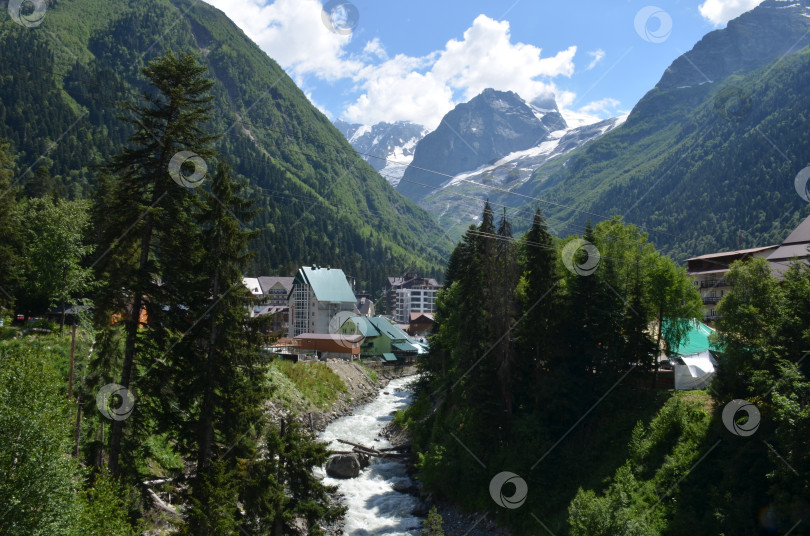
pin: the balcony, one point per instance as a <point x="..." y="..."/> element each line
<point x="711" y="300"/>
<point x="713" y="283"/>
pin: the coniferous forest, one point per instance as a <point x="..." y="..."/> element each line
<point x="542" y="367"/>
<point x="197" y="372"/>
<point x="142" y="179"/>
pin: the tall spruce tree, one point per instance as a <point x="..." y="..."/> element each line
<point x="146" y="206"/>
<point x="538" y="346"/>
<point x="505" y="306"/>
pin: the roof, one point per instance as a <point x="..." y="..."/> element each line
<point x="787" y="252"/>
<point x="389" y="357"/>
<point x="365" y="327"/>
<point x="800" y="235"/>
<point x="697" y="340"/>
<point x="735" y="253"/>
<point x="412" y="281"/>
<point x="328" y="284"/>
<point x="329" y="337"/>
<point x="417" y="316"/>
<point x="364" y="305"/>
<point x="405" y="347"/>
<point x="268" y="282"/>
<point x="252" y="285"/>
<point x="387" y="328"/>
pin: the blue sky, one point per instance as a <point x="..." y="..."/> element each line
<point x="379" y="60"/>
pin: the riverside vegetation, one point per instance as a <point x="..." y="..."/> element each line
<point x="547" y="373"/>
<point x="193" y="425"/>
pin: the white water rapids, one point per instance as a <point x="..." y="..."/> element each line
<point x="374" y="508"/>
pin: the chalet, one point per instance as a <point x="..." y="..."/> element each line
<point x="381" y="337"/>
<point x="421" y="325"/>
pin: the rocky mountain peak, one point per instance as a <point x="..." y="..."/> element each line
<point x="476" y="133"/>
<point x="752" y="40"/>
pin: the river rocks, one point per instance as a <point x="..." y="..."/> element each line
<point x="344" y="466"/>
<point x="364" y="460"/>
<point x="407" y="487"/>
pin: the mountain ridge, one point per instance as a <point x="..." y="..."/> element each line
<point x="318" y="201"/>
<point x="705" y="167"/>
<point x="488" y="127"/>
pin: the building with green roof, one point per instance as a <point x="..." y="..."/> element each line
<point x="318" y="297"/>
<point x="380" y="337"/>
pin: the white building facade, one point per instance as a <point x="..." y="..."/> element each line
<point x="318" y="294"/>
<point x="414" y="300"/>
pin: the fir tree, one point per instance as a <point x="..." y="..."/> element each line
<point x="538" y="346"/>
<point x="147" y="206"/>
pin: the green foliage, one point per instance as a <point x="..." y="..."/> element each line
<point x="39" y="483"/>
<point x="103" y="509"/>
<point x="510" y="374"/>
<point x="57" y="246"/>
<point x="41" y="488"/>
<point x="318" y="200"/>
<point x="11" y="229"/>
<point x="315" y="381"/>
<point x="638" y="500"/>
<point x="277" y="490"/>
<point x="432" y="525"/>
<point x="371" y="374"/>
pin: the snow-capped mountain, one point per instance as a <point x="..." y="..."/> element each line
<point x="388" y="147"/>
<point x="458" y="201"/>
<point x="477" y="133"/>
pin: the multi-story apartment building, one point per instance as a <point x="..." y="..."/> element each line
<point x="318" y="294"/>
<point x="410" y="294"/>
<point x="421" y="299"/>
<point x="709" y="271"/>
<point x="709" y="274"/>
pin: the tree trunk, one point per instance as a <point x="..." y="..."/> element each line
<point x="206" y="415"/>
<point x="72" y="362"/>
<point x="62" y="296"/>
<point x="78" y="432"/>
<point x="132" y="326"/>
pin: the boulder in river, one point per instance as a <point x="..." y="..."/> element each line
<point x="343" y="466"/>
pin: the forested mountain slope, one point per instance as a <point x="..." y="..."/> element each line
<point x="320" y="203"/>
<point x="708" y="158"/>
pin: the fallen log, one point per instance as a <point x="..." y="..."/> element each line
<point x="369" y="451"/>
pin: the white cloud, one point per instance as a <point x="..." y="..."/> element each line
<point x="600" y="106"/>
<point x="597" y="55"/>
<point x="422" y="89"/>
<point x="593" y="112"/>
<point x="720" y="12"/>
<point x="293" y="33"/>
<point x="375" y="48"/>
<point x="402" y="88"/>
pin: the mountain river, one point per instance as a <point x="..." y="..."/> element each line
<point x="373" y="506"/>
